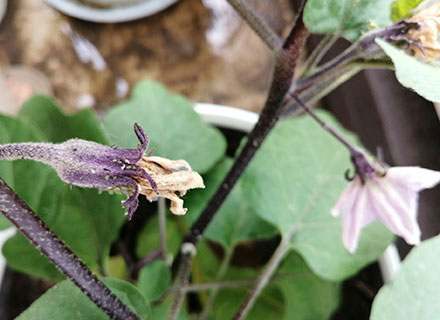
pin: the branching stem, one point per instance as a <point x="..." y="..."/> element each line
<point x="318" y="53"/>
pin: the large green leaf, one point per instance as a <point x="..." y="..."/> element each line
<point x="65" y="301"/>
<point x="236" y="221"/>
<point x="401" y="8"/>
<point x="26" y="178"/>
<point x="422" y="77"/>
<point x="175" y="130"/>
<point x="349" y="18"/>
<point x="154" y="280"/>
<point x="86" y="221"/>
<point x="294" y="180"/>
<point x="306" y="295"/>
<point x="149" y="238"/>
<point x="414" y="292"/>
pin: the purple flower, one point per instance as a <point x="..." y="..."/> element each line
<point x="92" y="165"/>
<point x="390" y="197"/>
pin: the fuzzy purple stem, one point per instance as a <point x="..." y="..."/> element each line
<point x="44" y="240"/>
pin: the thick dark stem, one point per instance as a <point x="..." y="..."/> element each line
<point x="282" y="78"/>
<point x="34" y="229"/>
<point x="257" y="23"/>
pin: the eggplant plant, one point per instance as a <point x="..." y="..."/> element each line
<point x="298" y="178"/>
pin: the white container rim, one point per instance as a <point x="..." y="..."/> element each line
<point x="110" y="15"/>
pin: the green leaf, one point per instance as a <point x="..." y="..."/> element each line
<point x="65" y="301"/>
<point x="130" y="296"/>
<point x="401" y="8"/>
<point x="161" y="312"/>
<point x="154" y="280"/>
<point x="4" y="223"/>
<point x="236" y="221"/>
<point x="148" y="239"/>
<point x="422" y="77"/>
<point x="12" y="130"/>
<point x="294" y="180"/>
<point x="174" y="128"/>
<point x="349" y="18"/>
<point x="86" y="221"/>
<point x="414" y="292"/>
<point x="295" y="292"/>
<point x="269" y="305"/>
<point x="304" y="293"/>
<point x="45" y="116"/>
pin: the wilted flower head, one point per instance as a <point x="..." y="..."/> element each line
<point x="425" y="41"/>
<point x="390" y="196"/>
<point x="92" y="165"/>
<point x="170" y="177"/>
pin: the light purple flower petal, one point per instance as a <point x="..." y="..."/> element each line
<point x="415" y="178"/>
<point x="347" y="198"/>
<point x="395" y="211"/>
<point x="391" y="199"/>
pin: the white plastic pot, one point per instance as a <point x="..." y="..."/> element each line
<point x="76" y="9"/>
<point x="242" y="120"/>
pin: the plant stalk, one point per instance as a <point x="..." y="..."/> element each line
<point x="325" y="125"/>
<point x="265" y="277"/>
<point x="149" y="258"/>
<point x="221" y="273"/>
<point x="318" y="53"/>
<point x="54" y="249"/>
<point x="162" y="228"/>
<point x="257" y="23"/>
<point x="182" y="280"/>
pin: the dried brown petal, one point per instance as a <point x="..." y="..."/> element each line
<point x="427" y="38"/>
<point x="171" y="176"/>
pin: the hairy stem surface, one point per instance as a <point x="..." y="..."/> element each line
<point x="52" y="247"/>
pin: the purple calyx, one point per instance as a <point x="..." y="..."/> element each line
<point x="91" y="165"/>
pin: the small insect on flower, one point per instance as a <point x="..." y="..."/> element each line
<point x="390" y="196"/>
<point x="92" y="165"/>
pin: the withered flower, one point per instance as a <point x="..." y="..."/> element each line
<point x="170" y="177"/>
<point x="425" y="41"/>
<point x="92" y="165"/>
